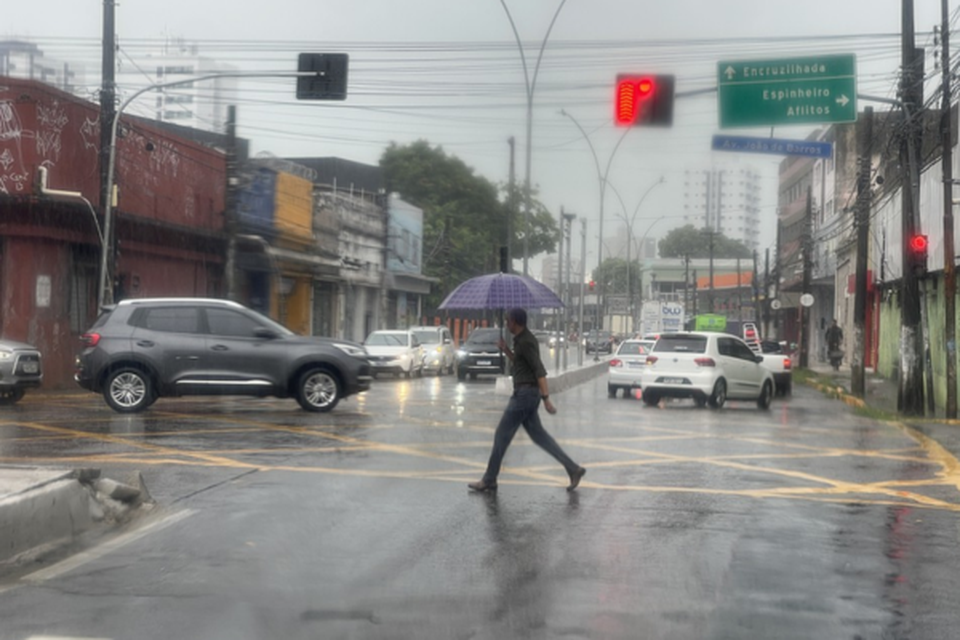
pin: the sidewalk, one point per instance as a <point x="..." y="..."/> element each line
<point x="881" y="395"/>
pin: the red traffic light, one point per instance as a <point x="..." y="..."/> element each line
<point x="919" y="244"/>
<point x="593" y="285"/>
<point x="644" y="100"/>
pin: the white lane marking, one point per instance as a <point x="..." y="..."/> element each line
<point x="98" y="552"/>
<point x="63" y="638"/>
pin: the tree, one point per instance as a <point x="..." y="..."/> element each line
<point x="465" y="220"/>
<point x="611" y="276"/>
<point x="693" y="242"/>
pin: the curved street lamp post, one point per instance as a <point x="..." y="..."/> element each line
<point x="530" y="85"/>
<point x="602" y="180"/>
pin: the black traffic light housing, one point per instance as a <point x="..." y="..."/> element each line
<point x="918" y="245"/>
<point x="644" y="100"/>
<point x="330" y="79"/>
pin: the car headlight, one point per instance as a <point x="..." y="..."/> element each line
<point x="6" y="355"/>
<point x="461" y="354"/>
<point x="351" y="349"/>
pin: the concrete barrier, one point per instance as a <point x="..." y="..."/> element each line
<point x="559" y="383"/>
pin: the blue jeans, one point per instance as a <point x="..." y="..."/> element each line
<point x="522" y="409"/>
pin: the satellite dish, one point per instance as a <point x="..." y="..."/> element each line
<point x="775" y="304"/>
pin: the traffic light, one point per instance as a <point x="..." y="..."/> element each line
<point x="644" y="100"/>
<point x="918" y="246"/>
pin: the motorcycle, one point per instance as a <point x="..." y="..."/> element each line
<point x="835" y="356"/>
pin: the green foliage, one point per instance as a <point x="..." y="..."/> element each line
<point x="612" y="276"/>
<point x="465" y="220"/>
<point x="693" y="242"/>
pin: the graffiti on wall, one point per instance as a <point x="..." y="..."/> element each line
<point x="13" y="173"/>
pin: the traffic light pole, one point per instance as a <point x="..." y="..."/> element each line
<point x="910" y="389"/>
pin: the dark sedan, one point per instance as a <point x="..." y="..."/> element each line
<point x="480" y="354"/>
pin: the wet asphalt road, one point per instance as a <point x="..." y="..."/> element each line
<point x="806" y="521"/>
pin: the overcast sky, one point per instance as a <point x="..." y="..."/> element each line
<point x="449" y="72"/>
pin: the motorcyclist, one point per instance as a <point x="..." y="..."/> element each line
<point x="834" y="337"/>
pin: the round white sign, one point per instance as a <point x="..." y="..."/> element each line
<point x="806" y="299"/>
<point x="775" y="304"/>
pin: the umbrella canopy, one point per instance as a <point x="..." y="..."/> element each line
<point x="501" y="291"/>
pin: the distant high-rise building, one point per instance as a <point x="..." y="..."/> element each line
<point x="200" y="105"/>
<point x="724" y="199"/>
<point x="25" y="60"/>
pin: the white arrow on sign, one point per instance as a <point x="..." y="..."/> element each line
<point x="843" y="100"/>
<point x="730" y="72"/>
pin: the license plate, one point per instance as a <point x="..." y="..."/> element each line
<point x="483" y="363"/>
<point x="673" y="381"/>
<point x="30" y="367"/>
<point x="636" y="365"/>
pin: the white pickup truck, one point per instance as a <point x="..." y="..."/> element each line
<point x="779" y="364"/>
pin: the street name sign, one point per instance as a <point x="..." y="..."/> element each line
<point x="788" y="91"/>
<point x="776" y="146"/>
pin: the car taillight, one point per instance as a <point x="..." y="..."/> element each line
<point x="705" y="362"/>
<point x="651" y="359"/>
<point x="786" y="363"/>
<point x="90" y="339"/>
<point x="616" y="363"/>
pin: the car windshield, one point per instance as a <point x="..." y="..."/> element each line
<point x="427" y="337"/>
<point x="681" y="344"/>
<point x="388" y="340"/>
<point x="633" y="349"/>
<point x="485" y="336"/>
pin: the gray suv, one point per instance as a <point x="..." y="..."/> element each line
<point x="141" y="350"/>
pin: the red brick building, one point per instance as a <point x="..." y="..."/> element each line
<point x="169" y="218"/>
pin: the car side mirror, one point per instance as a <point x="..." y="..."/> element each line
<point x="264" y="333"/>
<point x="759" y="359"/>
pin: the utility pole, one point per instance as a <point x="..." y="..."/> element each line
<point x="711" y="234"/>
<point x="686" y="284"/>
<point x="569" y="218"/>
<point x="776" y="283"/>
<point x="512" y="200"/>
<point x="756" y="291"/>
<point x="583" y="277"/>
<point x="695" y="294"/>
<point x="230" y="217"/>
<point x="910" y="391"/>
<point x="858" y="376"/>
<point x="766" y="293"/>
<point x="739" y="294"/>
<point x="807" y="276"/>
<point x="108" y="111"/>
<point x="557" y="324"/>
<point x="949" y="269"/>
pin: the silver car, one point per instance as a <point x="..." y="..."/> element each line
<point x="439" y="354"/>
<point x="20" y="369"/>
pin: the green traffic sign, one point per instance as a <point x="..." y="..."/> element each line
<point x="809" y="90"/>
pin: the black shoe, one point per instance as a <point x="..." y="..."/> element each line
<point x="575" y="478"/>
<point x="481" y="487"/>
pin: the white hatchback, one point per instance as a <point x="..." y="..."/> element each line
<point x="708" y="367"/>
<point x="627" y="365"/>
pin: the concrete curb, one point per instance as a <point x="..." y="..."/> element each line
<point x="44" y="509"/>
<point x="560" y="383"/>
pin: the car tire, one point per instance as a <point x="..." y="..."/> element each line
<point x="766" y="395"/>
<point x="719" y="396"/>
<point x="700" y="401"/>
<point x="611" y="391"/>
<point x="473" y="376"/>
<point x="651" y="399"/>
<point x="129" y="390"/>
<point x="318" y="390"/>
<point x="461" y="375"/>
<point x="787" y="388"/>
<point x="11" y="396"/>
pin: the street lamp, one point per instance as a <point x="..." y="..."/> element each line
<point x="530" y="85"/>
<point x="630" y="306"/>
<point x="602" y="180"/>
<point x="106" y="291"/>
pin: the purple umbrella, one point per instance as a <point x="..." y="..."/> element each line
<point x="501" y="291"/>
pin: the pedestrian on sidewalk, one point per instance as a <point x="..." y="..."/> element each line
<point x="529" y="388"/>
